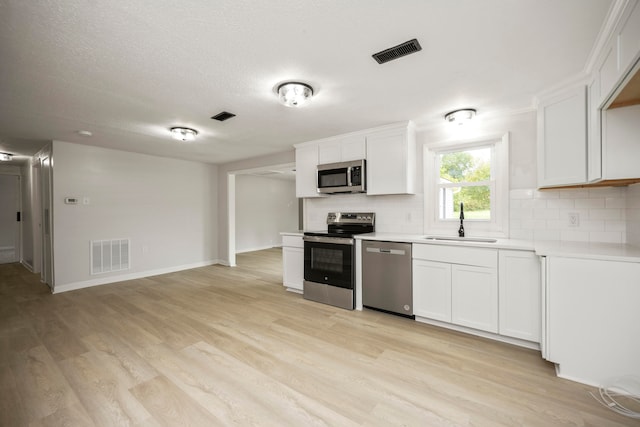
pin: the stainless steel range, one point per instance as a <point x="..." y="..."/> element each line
<point x="329" y="258"/>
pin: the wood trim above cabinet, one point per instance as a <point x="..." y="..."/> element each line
<point x="604" y="183"/>
<point x="629" y="95"/>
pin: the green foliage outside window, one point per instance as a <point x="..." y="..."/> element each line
<point x="462" y="166"/>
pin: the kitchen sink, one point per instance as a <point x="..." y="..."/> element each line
<point x="461" y="239"/>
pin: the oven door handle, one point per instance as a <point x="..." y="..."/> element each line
<point x="333" y="240"/>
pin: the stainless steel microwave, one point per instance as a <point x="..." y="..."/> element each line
<point x="343" y="177"/>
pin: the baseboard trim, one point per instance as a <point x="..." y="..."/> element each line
<point x="261" y="248"/>
<point x="514" y="341"/>
<point x="122" y="277"/>
<point x="27" y="266"/>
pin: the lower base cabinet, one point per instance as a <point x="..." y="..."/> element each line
<point x="474" y="297"/>
<point x="432" y="290"/>
<point x="293" y="263"/>
<point x="457" y="285"/>
<point x="520" y="297"/>
<point x="593" y="320"/>
<point x="497" y="291"/>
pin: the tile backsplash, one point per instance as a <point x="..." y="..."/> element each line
<point x="606" y="214"/>
<point x="394" y="214"/>
<point x="583" y="215"/>
<point x="633" y="215"/>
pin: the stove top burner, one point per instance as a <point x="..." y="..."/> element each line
<point x="347" y="224"/>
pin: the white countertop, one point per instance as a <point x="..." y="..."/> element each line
<point x="514" y="244"/>
<point x="586" y="250"/>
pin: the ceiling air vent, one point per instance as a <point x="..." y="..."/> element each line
<point x="221" y="117"/>
<point x="403" y="49"/>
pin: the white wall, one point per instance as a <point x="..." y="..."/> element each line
<point x="168" y="208"/>
<point x="264" y="208"/>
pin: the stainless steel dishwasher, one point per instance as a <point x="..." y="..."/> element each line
<point x="386" y="277"/>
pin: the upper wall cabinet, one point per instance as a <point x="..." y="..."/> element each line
<point x="391" y="161"/>
<point x="629" y="39"/>
<point x="342" y="149"/>
<point x="622" y="52"/>
<point x="605" y="151"/>
<point x="306" y="163"/>
<point x="390" y="152"/>
<point x="562" y="139"/>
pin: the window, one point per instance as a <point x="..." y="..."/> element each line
<point x="474" y="174"/>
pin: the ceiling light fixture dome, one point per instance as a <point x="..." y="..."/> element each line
<point x="183" y="134"/>
<point x="294" y="94"/>
<point x="461" y="116"/>
<point x="6" y="157"/>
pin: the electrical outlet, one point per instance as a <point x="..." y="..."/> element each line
<point x="574" y="219"/>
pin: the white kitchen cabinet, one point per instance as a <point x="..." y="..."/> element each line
<point x="608" y="73"/>
<point x="519" y="295"/>
<point x="594" y="137"/>
<point x="306" y="175"/>
<point x="432" y="290"/>
<point x="293" y="263"/>
<point x="622" y="52"/>
<point x="593" y="319"/>
<point x="342" y="149"/>
<point x="329" y="151"/>
<point x="562" y="139"/>
<point x="391" y="160"/>
<point x="620" y="143"/>
<point x="629" y="38"/>
<point x="457" y="285"/>
<point x="474" y="297"/>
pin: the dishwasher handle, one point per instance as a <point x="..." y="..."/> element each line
<point x="386" y="251"/>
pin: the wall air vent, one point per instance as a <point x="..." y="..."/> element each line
<point x="109" y="255"/>
<point x="221" y="117"/>
<point x="403" y="49"/>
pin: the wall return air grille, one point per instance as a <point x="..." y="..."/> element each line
<point x="110" y="255"/>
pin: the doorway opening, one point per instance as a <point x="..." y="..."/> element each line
<point x="10" y="207"/>
<point x="261" y="204"/>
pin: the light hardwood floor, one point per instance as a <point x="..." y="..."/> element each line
<point x="229" y="346"/>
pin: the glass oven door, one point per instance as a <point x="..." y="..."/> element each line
<point x="329" y="260"/>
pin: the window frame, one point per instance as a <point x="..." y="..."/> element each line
<point x="498" y="225"/>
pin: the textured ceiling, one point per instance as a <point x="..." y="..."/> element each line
<point x="129" y="70"/>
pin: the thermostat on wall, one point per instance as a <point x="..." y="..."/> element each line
<point x="71" y="200"/>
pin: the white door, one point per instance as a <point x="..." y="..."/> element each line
<point x="474" y="297"/>
<point x="432" y="290"/>
<point x="9" y="225"/>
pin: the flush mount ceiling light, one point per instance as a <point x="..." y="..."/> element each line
<point x="6" y="157"/>
<point x="461" y="116"/>
<point x="183" y="134"/>
<point x="294" y="94"/>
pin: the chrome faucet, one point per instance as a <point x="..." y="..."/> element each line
<point x="461" y="229"/>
